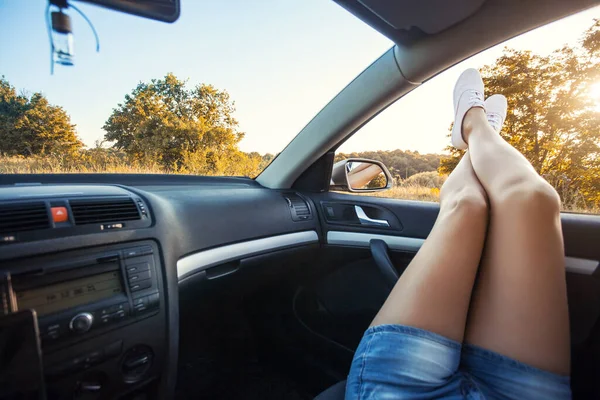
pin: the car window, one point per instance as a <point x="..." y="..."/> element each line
<point x="551" y="80"/>
<point x="170" y="98"/>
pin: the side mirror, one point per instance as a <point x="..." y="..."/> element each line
<point x="360" y="175"/>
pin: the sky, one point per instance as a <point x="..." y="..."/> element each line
<point x="279" y="62"/>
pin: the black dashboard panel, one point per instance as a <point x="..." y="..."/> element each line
<point x="27" y="212"/>
<point x="201" y="214"/>
<point x="188" y="215"/>
<point x="203" y="218"/>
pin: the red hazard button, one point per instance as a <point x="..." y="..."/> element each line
<point x="59" y="214"/>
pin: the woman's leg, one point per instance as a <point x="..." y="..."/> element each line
<point x="434" y="291"/>
<point x="519" y="305"/>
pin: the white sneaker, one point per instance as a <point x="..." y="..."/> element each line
<point x="495" y="110"/>
<point x="468" y="93"/>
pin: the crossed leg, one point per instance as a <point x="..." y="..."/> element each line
<point x="435" y="290"/>
<point x="519" y="305"/>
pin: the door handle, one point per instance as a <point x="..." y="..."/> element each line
<point x="365" y="220"/>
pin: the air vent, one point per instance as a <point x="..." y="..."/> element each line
<point x="93" y="211"/>
<point x="23" y="217"/>
<point x="298" y="207"/>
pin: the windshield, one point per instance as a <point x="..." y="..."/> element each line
<point x="219" y="92"/>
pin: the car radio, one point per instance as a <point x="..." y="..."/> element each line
<point x="87" y="293"/>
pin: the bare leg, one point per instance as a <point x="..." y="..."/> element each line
<point x="434" y="291"/>
<point x="519" y="305"/>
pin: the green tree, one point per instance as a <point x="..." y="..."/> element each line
<point x="186" y="130"/>
<point x="30" y="125"/>
<point x="553" y="119"/>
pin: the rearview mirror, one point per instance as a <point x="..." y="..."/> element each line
<point x="161" y="10"/>
<point x="360" y="175"/>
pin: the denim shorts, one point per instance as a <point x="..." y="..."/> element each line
<point x="402" y="362"/>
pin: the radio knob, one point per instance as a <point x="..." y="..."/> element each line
<point x="81" y="323"/>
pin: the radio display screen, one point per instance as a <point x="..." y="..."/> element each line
<point x="60" y="296"/>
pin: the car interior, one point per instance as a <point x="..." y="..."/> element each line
<point x="200" y="287"/>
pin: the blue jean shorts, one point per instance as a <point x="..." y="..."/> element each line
<point x="402" y="362"/>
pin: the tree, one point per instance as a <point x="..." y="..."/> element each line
<point x="553" y="119"/>
<point x="30" y="125"/>
<point x="380" y="181"/>
<point x="401" y="164"/>
<point x="188" y="130"/>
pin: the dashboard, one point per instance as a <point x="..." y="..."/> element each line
<point x="101" y="264"/>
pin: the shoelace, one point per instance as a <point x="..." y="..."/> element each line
<point x="495" y="120"/>
<point x="475" y="98"/>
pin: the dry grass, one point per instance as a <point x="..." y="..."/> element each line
<point x="56" y="165"/>
<point x="409" y="192"/>
<point x="103" y="161"/>
<point x="570" y="208"/>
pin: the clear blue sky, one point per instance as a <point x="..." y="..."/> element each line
<point x="281" y="61"/>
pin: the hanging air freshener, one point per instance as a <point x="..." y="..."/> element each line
<point x="60" y="31"/>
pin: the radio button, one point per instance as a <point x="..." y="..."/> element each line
<point x="81" y="323"/>
<point x="54" y="327"/>
<point x="118" y="307"/>
<point x="135" y="268"/>
<point x="53" y="331"/>
<point x="144" y="303"/>
<point x="140" y="285"/>
<point x="140" y="305"/>
<point x="51" y="336"/>
<point x="140" y="308"/>
<point x="115" y="316"/>
<point x="140" y="300"/>
<point x="54" y="334"/>
<point x="112" y="309"/>
<point x="119" y="315"/>
<point x="138" y="251"/>
<point x="138" y="276"/>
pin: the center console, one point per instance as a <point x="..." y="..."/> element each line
<point x="101" y="316"/>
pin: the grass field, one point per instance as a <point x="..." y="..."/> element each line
<point x="424" y="186"/>
<point x="410" y="192"/>
<point x="55" y="165"/>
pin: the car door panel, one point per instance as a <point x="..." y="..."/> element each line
<point x="350" y="291"/>
<point x="415" y="218"/>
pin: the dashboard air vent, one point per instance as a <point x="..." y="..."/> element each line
<point x="92" y="211"/>
<point x="23" y="217"/>
<point x="298" y="207"/>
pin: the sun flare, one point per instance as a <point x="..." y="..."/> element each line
<point x="594" y="93"/>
